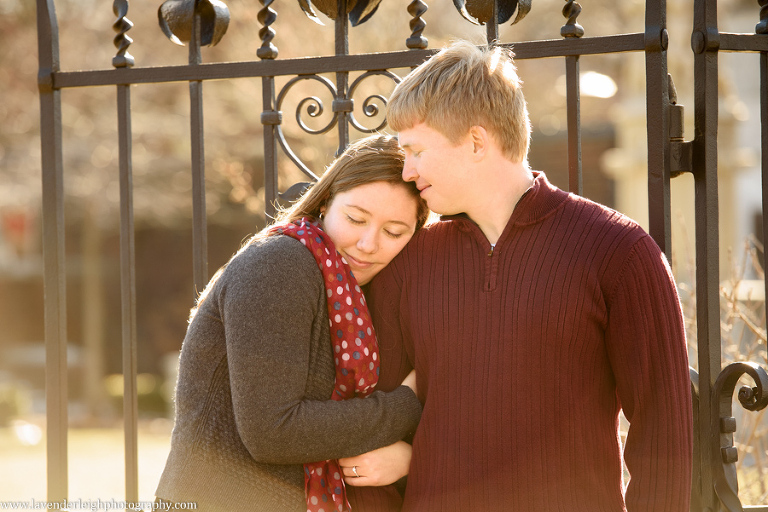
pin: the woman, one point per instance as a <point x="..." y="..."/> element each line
<point x="280" y="349"/>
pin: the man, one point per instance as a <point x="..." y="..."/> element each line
<point x="532" y="317"/>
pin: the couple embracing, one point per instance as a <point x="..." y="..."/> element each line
<point x="486" y="355"/>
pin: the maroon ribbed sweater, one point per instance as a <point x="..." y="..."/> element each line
<point x="525" y="355"/>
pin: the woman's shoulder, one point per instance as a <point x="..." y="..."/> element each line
<point x="273" y="259"/>
<point x="276" y="252"/>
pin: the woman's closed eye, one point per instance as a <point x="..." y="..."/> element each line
<point x="355" y="221"/>
<point x="392" y="234"/>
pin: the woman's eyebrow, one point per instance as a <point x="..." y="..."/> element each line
<point x="360" y="208"/>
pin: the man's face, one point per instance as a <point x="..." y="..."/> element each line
<point x="439" y="168"/>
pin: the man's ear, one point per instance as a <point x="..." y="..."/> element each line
<point x="480" y="140"/>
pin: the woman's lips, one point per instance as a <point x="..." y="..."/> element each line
<point x="357" y="263"/>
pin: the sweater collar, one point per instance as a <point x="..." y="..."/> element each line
<point x="537" y="202"/>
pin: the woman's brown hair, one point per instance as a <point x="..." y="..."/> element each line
<point x="373" y="159"/>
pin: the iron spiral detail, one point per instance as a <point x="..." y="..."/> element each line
<point x="267" y="17"/>
<point x="571" y="11"/>
<point x="314" y="108"/>
<point x="752" y="399"/>
<point x="123" y="59"/>
<point x="370" y="104"/>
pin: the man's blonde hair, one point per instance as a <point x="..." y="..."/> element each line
<point x="463" y="86"/>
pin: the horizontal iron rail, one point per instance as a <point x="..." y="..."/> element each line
<point x="743" y="42"/>
<point x="333" y="64"/>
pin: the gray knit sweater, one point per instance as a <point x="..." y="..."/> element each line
<point x="255" y="380"/>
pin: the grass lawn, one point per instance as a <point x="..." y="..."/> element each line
<point x="96" y="468"/>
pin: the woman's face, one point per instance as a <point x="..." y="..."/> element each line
<point x="370" y="224"/>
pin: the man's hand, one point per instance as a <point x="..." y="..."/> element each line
<point x="383" y="466"/>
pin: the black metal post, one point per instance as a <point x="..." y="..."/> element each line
<point x="704" y="42"/>
<point x="657" y="105"/>
<point x="128" y="296"/>
<point x="270" y="118"/>
<point x="341" y="104"/>
<point x="572" y="31"/>
<point x="53" y="252"/>
<point x="199" y="223"/>
<point x="492" y="25"/>
<point x="123" y="59"/>
<point x="762" y="29"/>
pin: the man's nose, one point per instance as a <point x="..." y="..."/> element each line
<point x="409" y="171"/>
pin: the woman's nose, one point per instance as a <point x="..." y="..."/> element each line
<point x="368" y="242"/>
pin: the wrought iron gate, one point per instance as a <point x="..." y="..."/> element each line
<point x="205" y="21"/>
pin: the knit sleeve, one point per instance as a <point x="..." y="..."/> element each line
<point x="272" y="300"/>
<point x="646" y="344"/>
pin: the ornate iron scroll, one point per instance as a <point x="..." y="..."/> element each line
<point x="370" y="109"/>
<point x="123" y="59"/>
<point x="752" y="399"/>
<point x="315" y="108"/>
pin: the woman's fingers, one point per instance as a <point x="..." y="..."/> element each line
<point x="354" y="475"/>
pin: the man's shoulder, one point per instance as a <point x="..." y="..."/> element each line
<point x="600" y="217"/>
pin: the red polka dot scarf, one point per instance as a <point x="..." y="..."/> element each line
<point x="354" y="346"/>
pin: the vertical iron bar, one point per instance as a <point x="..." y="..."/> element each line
<point x="199" y="226"/>
<point x="342" y="77"/>
<point x="270" y="146"/>
<point x="573" y="102"/>
<point x="269" y="117"/>
<point x="704" y="164"/>
<point x="124" y="59"/>
<point x="657" y="129"/>
<point x="128" y="295"/>
<point x="54" y="257"/>
<point x="492" y="26"/>
<point x="762" y="28"/>
<point x="572" y="30"/>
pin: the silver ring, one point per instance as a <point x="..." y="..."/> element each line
<point x="354" y="470"/>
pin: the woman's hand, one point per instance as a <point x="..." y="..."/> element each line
<point x="410" y="381"/>
<point x="383" y="466"/>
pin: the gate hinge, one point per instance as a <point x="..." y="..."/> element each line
<point x="680" y="150"/>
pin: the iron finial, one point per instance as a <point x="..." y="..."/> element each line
<point x="176" y="18"/>
<point x="359" y="11"/>
<point x="416" y="9"/>
<point x="480" y="12"/>
<point x="123" y="59"/>
<point x="267" y="17"/>
<point x="762" y="27"/>
<point x="571" y="10"/>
